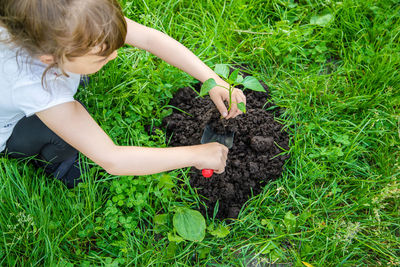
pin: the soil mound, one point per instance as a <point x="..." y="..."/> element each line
<point x="252" y="161"/>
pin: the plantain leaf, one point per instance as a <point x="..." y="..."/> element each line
<point x="207" y="86"/>
<point x="222" y="70"/>
<point x="189" y="224"/>
<point x="253" y="84"/>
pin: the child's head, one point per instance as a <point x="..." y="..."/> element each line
<point x="75" y="35"/>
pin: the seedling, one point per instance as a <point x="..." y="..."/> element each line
<point x="234" y="79"/>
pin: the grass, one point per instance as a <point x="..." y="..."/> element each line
<point x="332" y="65"/>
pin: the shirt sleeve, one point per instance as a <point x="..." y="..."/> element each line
<point x="31" y="96"/>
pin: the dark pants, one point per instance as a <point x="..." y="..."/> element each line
<point x="31" y="137"/>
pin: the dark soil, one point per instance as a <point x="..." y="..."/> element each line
<point x="252" y="161"/>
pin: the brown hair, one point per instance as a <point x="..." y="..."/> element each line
<point x="63" y="28"/>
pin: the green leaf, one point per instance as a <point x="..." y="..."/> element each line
<point x="168" y="94"/>
<point x="233" y="76"/>
<point x="321" y="20"/>
<point x="242" y="107"/>
<point x="344" y="139"/>
<point x="275" y="255"/>
<point x="171" y="249"/>
<point x="306" y="248"/>
<point x="290" y="220"/>
<point x="166" y="181"/>
<point x="174" y="238"/>
<point x="268" y="223"/>
<point x="166" y="112"/>
<point x="207" y="86"/>
<point x="189" y="224"/>
<point x="253" y="84"/>
<point x="204" y="252"/>
<point x="222" y="70"/>
<point x="221" y="231"/>
<point x="161" y="219"/>
<point x="239" y="79"/>
<point x="268" y="247"/>
<point x="304" y="216"/>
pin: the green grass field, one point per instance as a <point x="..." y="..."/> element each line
<point x="334" y="67"/>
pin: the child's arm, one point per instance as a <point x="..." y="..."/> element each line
<point x="179" y="56"/>
<point x="73" y="124"/>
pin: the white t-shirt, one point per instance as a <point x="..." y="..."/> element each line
<point x="21" y="90"/>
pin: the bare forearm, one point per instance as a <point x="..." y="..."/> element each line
<point x="79" y="130"/>
<point x="148" y="160"/>
<point x="179" y="56"/>
<point x="169" y="50"/>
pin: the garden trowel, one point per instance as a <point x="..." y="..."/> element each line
<point x="209" y="135"/>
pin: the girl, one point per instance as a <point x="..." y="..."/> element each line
<point x="45" y="45"/>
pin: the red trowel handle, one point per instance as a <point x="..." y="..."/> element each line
<point x="207" y="173"/>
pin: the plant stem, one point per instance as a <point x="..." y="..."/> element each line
<point x="230" y="97"/>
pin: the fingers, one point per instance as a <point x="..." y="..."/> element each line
<point x="211" y="156"/>
<point x="219" y="171"/>
<point x="219" y="103"/>
<point x="219" y="95"/>
<point x="223" y="158"/>
<point x="237" y="97"/>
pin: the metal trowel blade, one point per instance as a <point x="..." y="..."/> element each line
<point x="209" y="136"/>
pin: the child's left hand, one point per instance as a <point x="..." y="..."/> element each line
<point x="219" y="94"/>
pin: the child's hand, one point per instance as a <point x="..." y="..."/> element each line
<point x="212" y="156"/>
<point x="219" y="94"/>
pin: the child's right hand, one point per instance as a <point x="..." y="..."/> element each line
<point x="212" y="156"/>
